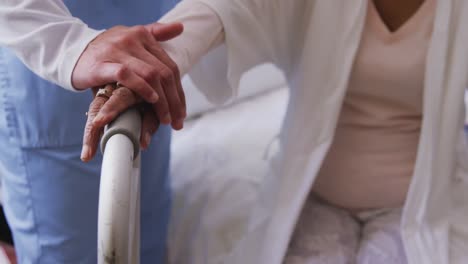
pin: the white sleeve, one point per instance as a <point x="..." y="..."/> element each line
<point x="249" y="30"/>
<point x="203" y="31"/>
<point x="45" y="37"/>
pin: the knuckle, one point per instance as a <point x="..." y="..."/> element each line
<point x="139" y="30"/>
<point x="150" y="74"/>
<point x="121" y="72"/>
<point x="126" y="40"/>
<point x="121" y="92"/>
<point x="131" y="95"/>
<point x="166" y="75"/>
<point x="123" y="97"/>
<point x="126" y="92"/>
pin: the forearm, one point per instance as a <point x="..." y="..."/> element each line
<point x="45" y="36"/>
<point x="49" y="40"/>
<point x="203" y="31"/>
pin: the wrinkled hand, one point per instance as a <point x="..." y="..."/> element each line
<point x="103" y="110"/>
<point x="133" y="57"/>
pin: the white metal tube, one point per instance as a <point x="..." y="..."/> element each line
<point x="118" y="222"/>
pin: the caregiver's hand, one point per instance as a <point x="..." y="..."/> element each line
<point x="133" y="57"/>
<point x="121" y="99"/>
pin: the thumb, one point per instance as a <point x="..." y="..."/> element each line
<point x="164" y="32"/>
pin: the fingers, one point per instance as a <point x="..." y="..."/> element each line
<point x="102" y="111"/>
<point x="152" y="71"/>
<point x="170" y="75"/>
<point x="103" y="60"/>
<point x="133" y="57"/>
<point x="150" y="66"/>
<point x="150" y="125"/>
<point x="121" y="99"/>
<point x="176" y="105"/>
<point x="173" y="79"/>
<point x="92" y="132"/>
<point x="127" y="76"/>
<point x="171" y="108"/>
<point x="164" y="32"/>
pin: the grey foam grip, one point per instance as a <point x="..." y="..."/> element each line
<point x="129" y="124"/>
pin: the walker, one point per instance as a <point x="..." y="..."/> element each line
<point x="119" y="194"/>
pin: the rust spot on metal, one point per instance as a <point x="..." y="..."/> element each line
<point x="112" y="258"/>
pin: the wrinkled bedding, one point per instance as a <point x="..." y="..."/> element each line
<point x="217" y="163"/>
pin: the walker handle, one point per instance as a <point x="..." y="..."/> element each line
<point x="127" y="123"/>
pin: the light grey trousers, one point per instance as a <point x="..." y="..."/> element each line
<point x="329" y="235"/>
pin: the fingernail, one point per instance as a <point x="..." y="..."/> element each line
<point x="167" y="119"/>
<point x="179" y="124"/>
<point x="85" y="153"/>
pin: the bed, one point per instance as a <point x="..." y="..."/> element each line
<point x="218" y="160"/>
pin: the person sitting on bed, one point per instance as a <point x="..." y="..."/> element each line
<point x="353" y="144"/>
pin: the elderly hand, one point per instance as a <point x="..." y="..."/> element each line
<point x="133" y="57"/>
<point x="107" y="108"/>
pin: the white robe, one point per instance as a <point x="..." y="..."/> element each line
<point x="314" y="42"/>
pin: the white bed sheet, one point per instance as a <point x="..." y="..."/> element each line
<point x="260" y="79"/>
<point x="217" y="162"/>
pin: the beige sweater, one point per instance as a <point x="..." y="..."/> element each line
<point x="371" y="161"/>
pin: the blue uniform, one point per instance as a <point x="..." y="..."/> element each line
<point x="50" y="196"/>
